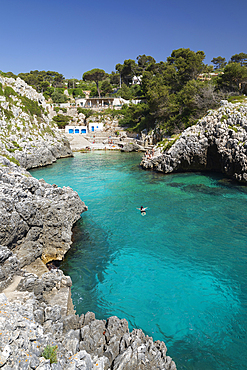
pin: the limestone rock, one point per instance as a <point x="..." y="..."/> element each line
<point x="132" y="147"/>
<point x="216" y="143"/>
<point x="28" y="135"/>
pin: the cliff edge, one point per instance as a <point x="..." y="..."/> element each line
<point x="28" y="136"/>
<point x="218" y="142"/>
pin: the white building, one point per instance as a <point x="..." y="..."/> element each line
<point x="96" y="126"/>
<point x="93" y="127"/>
<point x="100" y="102"/>
<point x="137" y="80"/>
<point x="76" y="130"/>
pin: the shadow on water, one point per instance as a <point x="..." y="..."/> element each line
<point x="85" y="263"/>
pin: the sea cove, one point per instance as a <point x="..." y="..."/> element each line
<point x="179" y="273"/>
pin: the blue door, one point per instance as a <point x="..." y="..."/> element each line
<point x="92" y="128"/>
<point x="77" y="131"/>
<point x="83" y="131"/>
<point x="71" y="131"/>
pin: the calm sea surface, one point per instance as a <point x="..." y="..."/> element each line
<point x="179" y="273"/>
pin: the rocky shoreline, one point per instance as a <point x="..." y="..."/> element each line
<point x="36" y="306"/>
<point x="36" y="220"/>
<point x="218" y="142"/>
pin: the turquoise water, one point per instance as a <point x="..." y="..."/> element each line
<point x="179" y="272"/>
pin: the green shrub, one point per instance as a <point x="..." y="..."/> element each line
<point x="50" y="353"/>
<point x="61" y="120"/>
<point x="235" y="99"/>
<point x="48" y="130"/>
<point x="31" y="106"/>
<point x="57" y="109"/>
<point x="167" y="144"/>
<point x="223" y="117"/>
<point x="233" y="128"/>
<point x="9" y="91"/>
<point x="16" y="145"/>
<point x="7" y="113"/>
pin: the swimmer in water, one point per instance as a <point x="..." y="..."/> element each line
<point x="143" y="210"/>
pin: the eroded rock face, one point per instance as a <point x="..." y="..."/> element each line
<point x="216" y="143"/>
<point x="27" y="133"/>
<point x="93" y="344"/>
<point x="36" y="218"/>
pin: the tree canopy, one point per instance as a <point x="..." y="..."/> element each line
<point x="95" y="75"/>
<point x="240" y="58"/>
<point x="219" y="62"/>
<point x="234" y="78"/>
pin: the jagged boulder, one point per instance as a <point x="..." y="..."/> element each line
<point x="131" y="147"/>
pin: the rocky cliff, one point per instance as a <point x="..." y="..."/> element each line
<point x="36" y="310"/>
<point x="36" y="218"/>
<point x="218" y="142"/>
<point x="28" y="135"/>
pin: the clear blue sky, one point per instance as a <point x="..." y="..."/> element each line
<point x="72" y="37"/>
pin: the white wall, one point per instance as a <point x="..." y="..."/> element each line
<point x="80" y="102"/>
<point x="76" y="130"/>
<point x="96" y="126"/>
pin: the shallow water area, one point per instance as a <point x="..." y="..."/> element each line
<point x="178" y="273"/>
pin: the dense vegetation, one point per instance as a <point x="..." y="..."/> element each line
<point x="172" y="95"/>
<point x="178" y="92"/>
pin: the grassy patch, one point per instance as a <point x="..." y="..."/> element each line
<point x="167" y="144"/>
<point x="16" y="145"/>
<point x="11" y="159"/>
<point x="9" y="91"/>
<point x="223" y="117"/>
<point x="233" y="128"/>
<point x="237" y="99"/>
<point x="31" y="106"/>
<point x="48" y="130"/>
<point x="8" y="113"/>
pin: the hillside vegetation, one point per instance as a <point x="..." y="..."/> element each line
<point x="25" y="126"/>
<point x="172" y="94"/>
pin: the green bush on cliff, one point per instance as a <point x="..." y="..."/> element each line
<point x="50" y="353"/>
<point x="9" y="91"/>
<point x="31" y="106"/>
<point x="223" y="117"/>
<point x="11" y="159"/>
<point x="8" y="113"/>
<point x="62" y="120"/>
<point x="167" y="144"/>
